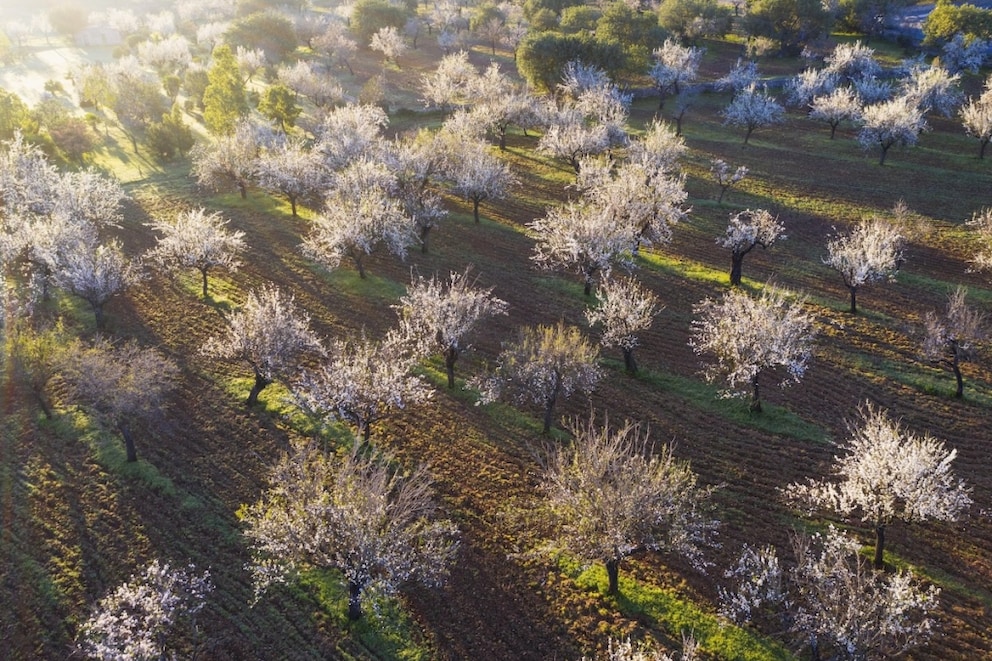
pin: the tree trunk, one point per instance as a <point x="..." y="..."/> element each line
<point x="292" y="205"/>
<point x="475" y="209"/>
<point x="260" y="383"/>
<point x="613" y="575"/>
<point x="854" y="299"/>
<point x="956" y="368"/>
<point x="879" y="563"/>
<point x="723" y="191"/>
<point x="98" y="316"/>
<point x="502" y="138"/>
<point x="885" y="152"/>
<point x="747" y="136"/>
<point x="203" y="272"/>
<point x="833" y="129"/>
<point x="736" y="268"/>
<point x="365" y="426"/>
<point x="981" y="149"/>
<point x="42" y="402"/>
<point x="755" y="395"/>
<point x="628" y="361"/>
<point x="359" y="265"/>
<point x="424" y="234"/>
<point x="354" y="601"/>
<point x="132" y="453"/>
<point x="587" y="289"/>
<point x="450" y="356"/>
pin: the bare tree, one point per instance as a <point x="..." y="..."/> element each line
<point x="151" y="616"/>
<point x="612" y="495"/>
<point x="888" y="474"/>
<point x="269" y="333"/>
<point x="545" y="363"/>
<point x="889" y="123"/>
<point x="752" y="109"/>
<point x="951" y="338"/>
<point x="361" y="515"/>
<point x="747" y="230"/>
<point x="197" y="239"/>
<point x="625" y="309"/>
<point x="871" y="251"/>
<point x="97" y="273"/>
<point x="122" y="383"/>
<point x="580" y="236"/>
<point x="749" y="335"/>
<point x="362" y="382"/>
<point x="438" y="315"/>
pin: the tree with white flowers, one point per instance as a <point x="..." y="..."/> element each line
<point x="388" y="41"/>
<point x="269" y="333"/>
<point x="361" y="382"/>
<point x="361" y="515"/>
<point x="748" y="230"/>
<point x="752" y="108"/>
<point x="840" y="105"/>
<point x="477" y="175"/>
<point x="612" y="494"/>
<point x="152" y="616"/>
<point x="725" y="178"/>
<point x="451" y="84"/>
<point x="674" y="66"/>
<point x="951" y="338"/>
<point x="123" y="383"/>
<point x="625" y="309"/>
<point x="887" y="474"/>
<point x="350" y="133"/>
<point x="870" y="252"/>
<point x="889" y="123"/>
<point x="749" y="335"/>
<point x="981" y="225"/>
<point x="976" y="117"/>
<point x="97" y="273"/>
<point x="932" y="88"/>
<point x="197" y="239"/>
<point x="802" y="88"/>
<point x="437" y="315"/>
<point x="580" y="236"/>
<point x="544" y="364"/>
<point x="293" y="171"/>
<point x="230" y="159"/>
<point x="852" y="61"/>
<point x="569" y="137"/>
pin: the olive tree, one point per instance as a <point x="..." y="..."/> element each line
<point x="542" y="365"/>
<point x="438" y="315"/>
<point x="625" y="309"/>
<point x="748" y="335"/>
<point x="123" y="383"/>
<point x="360" y="515"/>
<point x="746" y="231"/>
<point x="197" y="239"/>
<point x="887" y="474"/>
<point x="870" y="252"/>
<point x="611" y="495"/>
<point x="269" y="333"/>
<point x="950" y="338"/>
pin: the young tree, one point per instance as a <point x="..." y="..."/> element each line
<point x="359" y="214"/>
<point x="269" y="333"/>
<point x="674" y="66"/>
<point x="224" y="97"/>
<point x="545" y="363"/>
<point x="610" y="496"/>
<point x="123" y="383"/>
<point x="437" y="315"/>
<point x="582" y="237"/>
<point x="951" y="338"/>
<point x="152" y="616"/>
<point x="896" y="122"/>
<point x="230" y="158"/>
<point x="725" y="179"/>
<point x="360" y="515"/>
<point x="477" y="175"/>
<point x="625" y="309"/>
<point x="362" y="382"/>
<point x="747" y="230"/>
<point x="197" y="239"/>
<point x="278" y="104"/>
<point x="835" y="107"/>
<point x="888" y="474"/>
<point x="97" y="273"/>
<point x="294" y="171"/>
<point x="976" y="117"/>
<point x="750" y="335"/>
<point x="752" y="109"/>
<point x="981" y="223"/>
<point x="870" y="252"/>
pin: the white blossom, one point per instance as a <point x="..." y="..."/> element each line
<point x="625" y="308"/>
<point x="870" y="252"/>
<point x="747" y="230"/>
<point x="837" y="106"/>
<point x="951" y="338"/>
<point x="752" y="109"/>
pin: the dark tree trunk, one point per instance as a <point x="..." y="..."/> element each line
<point x="243" y="189"/>
<point x="755" y="395"/>
<point x="132" y="453"/>
<point x="628" y="361"/>
<point x="98" y="316"/>
<point x="359" y="265"/>
<point x="502" y="138"/>
<point x="450" y="356"/>
<point x="879" y="563"/>
<point x="736" y="268"/>
<point x="260" y="383"/>
<point x="885" y="152"/>
<point x="42" y="402"/>
<point x="587" y="289"/>
<point x="723" y="191"/>
<point x="292" y="205"/>
<point x="747" y="136"/>
<point x="365" y="426"/>
<point x="854" y="299"/>
<point x="424" y="234"/>
<point x="203" y="272"/>
<point x="833" y="129"/>
<point x="956" y="368"/>
<point x="981" y="149"/>
<point x="354" y="601"/>
<point x="475" y="209"/>
<point x="613" y="575"/>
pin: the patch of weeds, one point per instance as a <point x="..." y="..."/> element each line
<point x="386" y="631"/>
<point x="677" y="615"/>
<point x="772" y="419"/>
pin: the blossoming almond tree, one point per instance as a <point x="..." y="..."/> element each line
<point x="885" y="124"/>
<point x="625" y="309"/>
<point x="887" y="474"/>
<point x="747" y="230"/>
<point x="951" y="338"/>
<point x="870" y="252"/>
